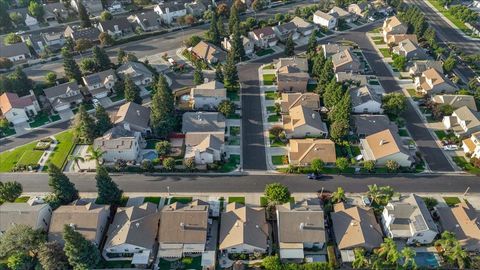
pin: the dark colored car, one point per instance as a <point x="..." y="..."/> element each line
<point x="314" y="176"/>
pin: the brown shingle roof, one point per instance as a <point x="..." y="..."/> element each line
<point x="384" y="143"/>
<point x="303" y="151"/>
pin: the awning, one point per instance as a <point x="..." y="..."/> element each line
<point x="170" y="253"/>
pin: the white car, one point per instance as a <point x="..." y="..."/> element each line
<point x="96" y="102"/>
<point x="451" y="147"/>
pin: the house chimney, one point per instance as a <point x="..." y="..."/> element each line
<point x="182" y="226"/>
<point x="382" y="142"/>
<point x="302" y="226"/>
<point x="313" y="115"/>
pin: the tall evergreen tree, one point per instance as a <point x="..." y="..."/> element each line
<point x="104" y="122"/>
<point x="289" y="46"/>
<point x="101" y="58"/>
<point x="10" y="191"/>
<point x="121" y="56"/>
<point x="81" y="253"/>
<point x="233" y="19"/>
<point x="312" y="43"/>
<point x="162" y="116"/>
<point x="230" y="72"/>
<point x="132" y="92"/>
<point x="237" y="44"/>
<point x="72" y="71"/>
<point x="219" y="73"/>
<point x="108" y="191"/>
<point x="198" y="75"/>
<point x="83" y="15"/>
<point x="62" y="188"/>
<point x="213" y="35"/>
<point x="327" y="73"/>
<point x="221" y="26"/>
<point x="84" y="125"/>
<point x="52" y="257"/>
<point x="5" y="21"/>
<point x="318" y="64"/>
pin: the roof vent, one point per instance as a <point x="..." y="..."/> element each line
<point x="382" y="142"/>
<point x="313" y="115"/>
<point x="302" y="226"/>
<point x="137" y="225"/>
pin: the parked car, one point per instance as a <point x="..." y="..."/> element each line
<point x="450" y="147"/>
<point x="314" y="176"/>
<point x="96" y="102"/>
<point x="366" y="201"/>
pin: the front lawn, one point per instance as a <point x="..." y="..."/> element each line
<point x="65" y="145"/>
<point x="30" y="157"/>
<point x="271" y="109"/>
<point x="269" y="66"/>
<point x="451" y="201"/>
<point x="464" y="164"/>
<point x="236" y="200"/>
<point x="7" y="132"/>
<point x="234" y="131"/>
<point x="269" y="79"/>
<point x="231" y="164"/>
<point x="278" y="160"/>
<point x="275" y="143"/>
<point x="117" y="97"/>
<point x="233" y="95"/>
<point x="458" y="23"/>
<point x="183" y="200"/>
<point x="270" y="95"/>
<point x="264" y="52"/>
<point x="39" y="120"/>
<point x="22" y="199"/>
<point x="233" y="140"/>
<point x="441" y="134"/>
<point x="385" y="52"/>
<point x="8" y="159"/>
<point x="234" y="116"/>
<point x="154" y="200"/>
<point x="376" y="30"/>
<point x="414" y="94"/>
<point x="273" y="118"/>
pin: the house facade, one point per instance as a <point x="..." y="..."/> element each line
<point x="285" y="30"/>
<point x="303" y="27"/>
<point x="16" y="52"/>
<point x="209" y="52"/>
<point x="365" y="100"/>
<point x="36" y="216"/>
<point x="433" y="82"/>
<point x="119" y="144"/>
<point x="346" y="61"/>
<point x="208" y="95"/>
<point x="383" y="146"/>
<point x="471" y="145"/>
<point x="18" y="109"/>
<point x="148" y="20"/>
<point x="169" y="12"/>
<point x="100" y="84"/>
<point x="393" y="26"/>
<point x="463" y="122"/>
<point x="64" y="96"/>
<point x="264" y="37"/>
<point x="409" y="49"/>
<point x="324" y="19"/>
<point x="133" y="117"/>
<point x="248" y="45"/>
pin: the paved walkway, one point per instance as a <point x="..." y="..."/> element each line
<point x="47" y="153"/>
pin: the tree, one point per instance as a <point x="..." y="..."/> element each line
<point x="276" y="132"/>
<point x="20" y="238"/>
<point x="103" y="122"/>
<point x="52" y="257"/>
<point x="342" y="163"/>
<point x="189" y="164"/>
<point x="83" y="15"/>
<point x="213" y="34"/>
<point x="62" y="188"/>
<point x="51" y="78"/>
<point x="339" y="129"/>
<point x="72" y="71"/>
<point x="289" y="46"/>
<point x="230" y="72"/>
<point x="317" y="165"/>
<point x="392" y="165"/>
<point x="105" y="39"/>
<point x="95" y="154"/>
<point x="88" y="65"/>
<point x="198" y="75"/>
<point x="5" y="63"/>
<point x="132" y="92"/>
<point x="83" y="125"/>
<point x="192" y="41"/>
<point x="394" y="104"/>
<point x="277" y="193"/>
<point x="258" y="5"/>
<point x="236" y="42"/>
<point x="221" y="26"/>
<point x="82" y="45"/>
<point x="240" y="6"/>
<point x="169" y="164"/>
<point x="360" y="261"/>
<point x="272" y="263"/>
<point x="121" y="56"/>
<point x="81" y="253"/>
<point x="369" y="165"/>
<point x="10" y="191"/>
<point x="399" y="62"/>
<point x="312" y="44"/>
<point x="226" y="107"/>
<point x="233" y="19"/>
<point x="408" y="255"/>
<point x="457" y="255"/>
<point x="449" y="63"/>
<point x="101" y="58"/>
<point x="380" y="195"/>
<point x="447" y="240"/>
<point x="430" y="202"/>
<point x="36" y="10"/>
<point x="163" y="148"/>
<point x="12" y="38"/>
<point x="339" y="195"/>
<point x="162" y="116"/>
<point x="20" y="261"/>
<point x="106" y="16"/>
<point x="108" y="191"/>
<point x="219" y="73"/>
<point x="76" y="159"/>
<point x="5" y="21"/>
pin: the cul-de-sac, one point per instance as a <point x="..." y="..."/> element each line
<point x="239" y="134"/>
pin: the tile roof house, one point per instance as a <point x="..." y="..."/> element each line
<point x="368" y="124"/>
<point x="15" y="52"/>
<point x="170" y="11"/>
<point x="360" y="9"/>
<point x="116" y="27"/>
<point x="63" y="96"/>
<point x="341" y="14"/>
<point x="183" y="229"/>
<point x="36" y="216"/>
<point x="456" y="101"/>
<point x="43" y="42"/>
<point x="409" y="49"/>
<point x="350" y="77"/>
<point x="423" y="65"/>
<point x="290" y="100"/>
<point x="119" y="144"/>
<point x="196" y="8"/>
<point x="139" y="73"/>
<point x="292" y="79"/>
<point x="209" y="52"/>
<point x="76" y="33"/>
<point x="409" y="219"/>
<point x="148" y="20"/>
<point x="346" y="60"/>
<point x="248" y="45"/>
<point x="299" y="62"/>
<point x="383" y="146"/>
<point x="303" y="27"/>
<point x="18" y="109"/>
<point x="283" y="31"/>
<point x="463" y="121"/>
<point x="303" y="151"/>
<point x="243" y="229"/>
<point x="302" y="122"/>
<point x="396" y="39"/>
<point x="100" y="84"/>
<point x="464" y="221"/>
<point x="263" y="37"/>
<point x="88" y="219"/>
<point x="365" y="100"/>
<point x="324" y="19"/>
<point x="300" y="227"/>
<point x="330" y="49"/>
<point x="471" y="145"/>
<point x="208" y="95"/>
<point x="433" y="82"/>
<point x="356" y="227"/>
<point x="393" y="26"/>
<point x="133" y="234"/>
<point x="134" y="117"/>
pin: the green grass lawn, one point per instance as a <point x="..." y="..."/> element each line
<point x="385" y="52"/>
<point x="154" y="200"/>
<point x="55" y="117"/>
<point x="275" y="143"/>
<point x="464" y="164"/>
<point x="273" y="118"/>
<point x="7" y="132"/>
<point x="448" y="15"/>
<point x="193" y="263"/>
<point x="379" y="42"/>
<point x="277" y="160"/>
<point x="231" y="164"/>
<point x="8" y="159"/>
<point x="40" y="120"/>
<point x="403" y="133"/>
<point x="373" y="82"/>
<point x="269" y="79"/>
<point x="441" y="134"/>
<point x="270" y="95"/>
<point x="376" y="30"/>
<point x="271" y="109"/>
<point x="118" y="97"/>
<point x="234" y="131"/>
<point x="234" y="116"/>
<point x="22" y="199"/>
<point x="236" y="200"/>
<point x="264" y="52"/>
<point x="183" y="200"/>
<point x="451" y="201"/>
<point x="233" y="140"/>
<point x="65" y="145"/>
<point x="233" y="95"/>
<point x="30" y="157"/>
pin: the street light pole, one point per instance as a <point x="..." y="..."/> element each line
<point x="466" y="191"/>
<point x="168" y="190"/>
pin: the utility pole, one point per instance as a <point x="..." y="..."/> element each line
<point x="466" y="191"/>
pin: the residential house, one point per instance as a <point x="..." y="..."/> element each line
<point x="355" y="227"/>
<point x="263" y="37"/>
<point x="353" y="78"/>
<point x="409" y="219"/>
<point x="93" y="7"/>
<point x="204" y="136"/>
<point x="396" y="39"/>
<point x="196" y="8"/>
<point x="360" y="9"/>
<point x="16" y="52"/>
<point x="302" y="122"/>
<point x="463" y="121"/>
<point x="303" y="27"/>
<point x="291" y="100"/>
<point x="463" y="221"/>
<point x="365" y="100"/>
<point x="285" y="30"/>
<point x="368" y="124"/>
<point x="341" y="14"/>
<point x="299" y="62"/>
<point x="18" y="109"/>
<point x="208" y="95"/>
<point x="116" y="27"/>
<point x="300" y="227"/>
<point x="456" y="101"/>
<point x="133" y="117"/>
<point x="383" y="146"/>
<point x="409" y="49"/>
<point x="138" y="72"/>
<point x="132" y="235"/>
<point x="248" y="45"/>
<point x="304" y="151"/>
<point x="119" y="143"/>
<point x="52" y="41"/>
<point x="31" y="22"/>
<point x="55" y="12"/>
<point x="330" y="49"/>
<point x="433" y="82"/>
<point x="64" y="96"/>
<point x="324" y="19"/>
<point x="100" y="84"/>
<point x="346" y="61"/>
<point x="183" y="229"/>
<point x="114" y="6"/>
<point x="148" y="20"/>
<point x="35" y="215"/>
<point x="88" y="219"/>
<point x="423" y="65"/>
<point x="471" y="145"/>
<point x="244" y="229"/>
<point x="292" y="74"/>
<point x="170" y="11"/>
<point x="76" y="33"/>
<point x="209" y="52"/>
<point x="393" y="26"/>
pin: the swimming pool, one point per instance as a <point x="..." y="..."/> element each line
<point x="427" y="259"/>
<point x="151" y="155"/>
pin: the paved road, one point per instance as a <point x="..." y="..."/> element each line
<point x="255" y="183"/>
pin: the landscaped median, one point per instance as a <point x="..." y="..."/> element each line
<point x="457" y="22"/>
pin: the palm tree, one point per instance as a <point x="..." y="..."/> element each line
<point x="408" y="255"/>
<point x="76" y="159"/>
<point x="373" y="193"/>
<point x="388" y="252"/>
<point x="447" y="240"/>
<point x="339" y="195"/>
<point x="457" y="254"/>
<point x="361" y="260"/>
<point x="95" y="154"/>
